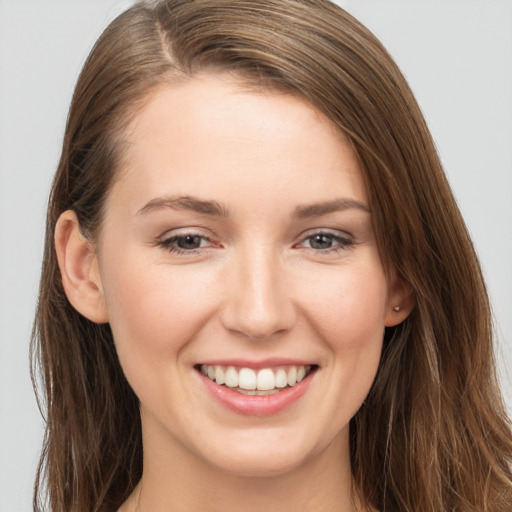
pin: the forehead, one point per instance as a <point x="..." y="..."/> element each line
<point x="216" y="135"/>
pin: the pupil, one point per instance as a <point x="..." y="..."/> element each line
<point x="321" y="242"/>
<point x="189" y="242"/>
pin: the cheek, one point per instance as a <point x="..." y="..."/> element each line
<point x="349" y="314"/>
<point x="154" y="311"/>
<point x="349" y="308"/>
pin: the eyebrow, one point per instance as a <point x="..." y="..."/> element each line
<point x="326" y="207"/>
<point x="185" y="203"/>
<point x="214" y="208"/>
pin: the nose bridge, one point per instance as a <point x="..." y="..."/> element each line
<point x="259" y="304"/>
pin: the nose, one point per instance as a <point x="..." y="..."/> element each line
<point x="259" y="301"/>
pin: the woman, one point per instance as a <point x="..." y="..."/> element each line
<point x="257" y="289"/>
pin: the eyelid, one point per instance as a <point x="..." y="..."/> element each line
<point x="181" y="231"/>
<point x="167" y="240"/>
<point x="344" y="239"/>
<point x="326" y="231"/>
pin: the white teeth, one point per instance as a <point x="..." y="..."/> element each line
<point x="219" y="375"/>
<point x="281" y="378"/>
<point x="292" y="376"/>
<point x="247" y="378"/>
<point x="231" y="377"/>
<point x="251" y="382"/>
<point x="266" y="379"/>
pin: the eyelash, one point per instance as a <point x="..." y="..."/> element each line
<point x="170" y="244"/>
<point x="342" y="243"/>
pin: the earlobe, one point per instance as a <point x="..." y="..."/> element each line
<point x="400" y="303"/>
<point x="79" y="269"/>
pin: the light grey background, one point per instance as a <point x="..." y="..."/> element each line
<point x="457" y="55"/>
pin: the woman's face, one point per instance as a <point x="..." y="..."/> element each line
<point x="238" y="243"/>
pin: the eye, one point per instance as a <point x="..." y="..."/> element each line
<point x="321" y="241"/>
<point x="186" y="243"/>
<point x="326" y="242"/>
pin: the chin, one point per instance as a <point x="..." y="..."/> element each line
<point x="275" y="454"/>
<point x="255" y="465"/>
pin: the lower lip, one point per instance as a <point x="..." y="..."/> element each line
<point x="253" y="405"/>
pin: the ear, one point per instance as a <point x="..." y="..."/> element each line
<point x="79" y="269"/>
<point x="400" y="301"/>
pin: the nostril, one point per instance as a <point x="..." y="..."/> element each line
<point x="258" y="325"/>
<point x="257" y="304"/>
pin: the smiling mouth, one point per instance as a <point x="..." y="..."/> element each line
<point x="261" y="382"/>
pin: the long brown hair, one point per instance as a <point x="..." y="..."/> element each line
<point x="432" y="436"/>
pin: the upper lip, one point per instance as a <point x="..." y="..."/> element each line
<point x="262" y="363"/>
